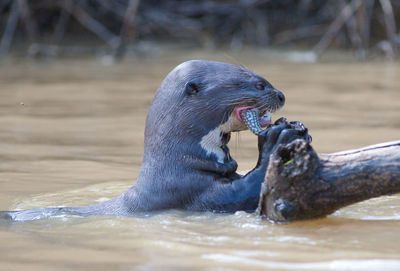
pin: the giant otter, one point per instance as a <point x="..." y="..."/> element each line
<point x="186" y="163"/>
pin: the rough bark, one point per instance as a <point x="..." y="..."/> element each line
<point x="300" y="184"/>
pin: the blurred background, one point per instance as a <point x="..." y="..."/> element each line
<point x="117" y="28"/>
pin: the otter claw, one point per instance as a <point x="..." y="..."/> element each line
<point x="250" y="118"/>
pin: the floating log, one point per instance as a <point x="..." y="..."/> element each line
<point x="301" y="184"/>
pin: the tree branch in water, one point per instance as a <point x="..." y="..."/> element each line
<point x="300" y="184"/>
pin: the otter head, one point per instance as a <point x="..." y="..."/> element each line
<point x="200" y="101"/>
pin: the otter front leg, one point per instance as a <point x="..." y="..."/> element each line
<point x="224" y="169"/>
<point x="243" y="194"/>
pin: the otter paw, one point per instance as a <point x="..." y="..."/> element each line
<point x="281" y="120"/>
<point x="267" y="138"/>
<point x="303" y="130"/>
<point x="283" y="132"/>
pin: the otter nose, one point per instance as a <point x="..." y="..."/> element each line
<point x="281" y="97"/>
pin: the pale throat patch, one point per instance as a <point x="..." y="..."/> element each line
<point x="212" y="141"/>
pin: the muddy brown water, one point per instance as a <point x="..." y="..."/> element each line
<point x="71" y="133"/>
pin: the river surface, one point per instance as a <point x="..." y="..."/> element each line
<point x="71" y="133"/>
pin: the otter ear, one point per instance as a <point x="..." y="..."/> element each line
<point x="192" y="88"/>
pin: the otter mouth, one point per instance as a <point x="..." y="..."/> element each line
<point x="253" y="118"/>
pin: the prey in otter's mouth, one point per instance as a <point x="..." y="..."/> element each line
<point x="253" y="118"/>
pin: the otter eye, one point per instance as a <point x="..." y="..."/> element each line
<point x="260" y="85"/>
<point x="192" y="88"/>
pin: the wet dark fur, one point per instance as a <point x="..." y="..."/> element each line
<point x="177" y="173"/>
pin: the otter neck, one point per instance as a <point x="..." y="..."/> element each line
<point x="215" y="144"/>
<point x="211" y="146"/>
